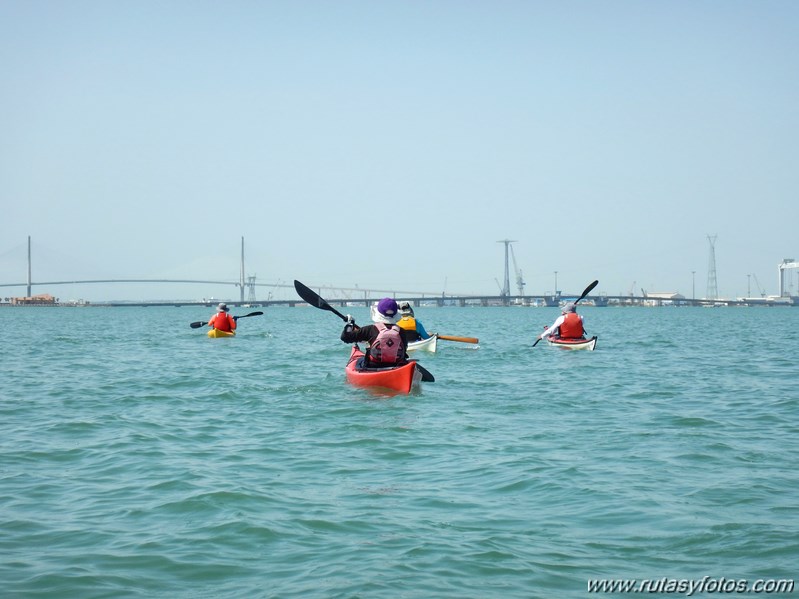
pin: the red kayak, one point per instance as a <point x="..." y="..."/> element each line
<point x="396" y="378"/>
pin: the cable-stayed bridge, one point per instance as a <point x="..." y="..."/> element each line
<point x="243" y="283"/>
<point x="365" y="296"/>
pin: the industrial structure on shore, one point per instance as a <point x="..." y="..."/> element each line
<point x="366" y="296"/>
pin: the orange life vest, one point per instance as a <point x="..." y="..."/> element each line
<point x="572" y="327"/>
<point x="408" y="323"/>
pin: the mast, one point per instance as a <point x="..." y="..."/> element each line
<point x="712" y="283"/>
<point x="505" y="294"/>
<point x="241" y="279"/>
<point x="29" y="266"/>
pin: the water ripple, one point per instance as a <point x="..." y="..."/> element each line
<point x="173" y="466"/>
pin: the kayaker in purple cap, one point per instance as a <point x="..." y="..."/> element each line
<point x="386" y="346"/>
<point x="569" y="325"/>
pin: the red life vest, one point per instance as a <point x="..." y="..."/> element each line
<point x="572" y="327"/>
<point x="222" y="321"/>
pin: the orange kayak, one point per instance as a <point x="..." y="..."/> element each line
<point x="396" y="378"/>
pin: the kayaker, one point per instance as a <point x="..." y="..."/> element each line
<point x="569" y="325"/>
<point x="386" y="346"/>
<point x="412" y="328"/>
<point x="222" y="320"/>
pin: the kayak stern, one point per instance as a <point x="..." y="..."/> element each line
<point x="396" y="378"/>
<point x="588" y="344"/>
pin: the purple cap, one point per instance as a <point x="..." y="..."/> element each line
<point x="387" y="307"/>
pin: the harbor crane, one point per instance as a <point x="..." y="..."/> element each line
<point x="757" y="284"/>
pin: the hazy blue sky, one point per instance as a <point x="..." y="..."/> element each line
<point x="390" y="145"/>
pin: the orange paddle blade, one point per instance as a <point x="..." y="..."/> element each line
<point x="461" y="339"/>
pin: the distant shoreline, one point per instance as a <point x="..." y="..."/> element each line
<point x="525" y="302"/>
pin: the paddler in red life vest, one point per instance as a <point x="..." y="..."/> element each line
<point x="222" y="320"/>
<point x="412" y="329"/>
<point x="569" y="325"/>
<point x="386" y="345"/>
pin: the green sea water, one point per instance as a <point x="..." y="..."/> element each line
<point x="138" y="458"/>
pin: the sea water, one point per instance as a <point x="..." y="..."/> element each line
<point x="139" y="458"/>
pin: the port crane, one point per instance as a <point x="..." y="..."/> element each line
<point x="757" y="284"/>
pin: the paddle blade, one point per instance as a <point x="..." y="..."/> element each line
<point x="247" y="315"/>
<point x="315" y="300"/>
<point x="536" y="341"/>
<point x="198" y="324"/>
<point x="308" y="294"/>
<point x="460" y="339"/>
<point x="588" y="290"/>
<point x="427" y="376"/>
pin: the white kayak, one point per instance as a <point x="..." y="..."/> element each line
<point x="588" y="344"/>
<point x="428" y="344"/>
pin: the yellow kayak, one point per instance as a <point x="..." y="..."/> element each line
<point x="216" y="333"/>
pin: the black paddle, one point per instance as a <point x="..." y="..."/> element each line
<point x="199" y="323"/>
<point x="314" y="299"/>
<point x="586" y="292"/>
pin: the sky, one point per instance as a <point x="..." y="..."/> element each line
<point x="395" y="145"/>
